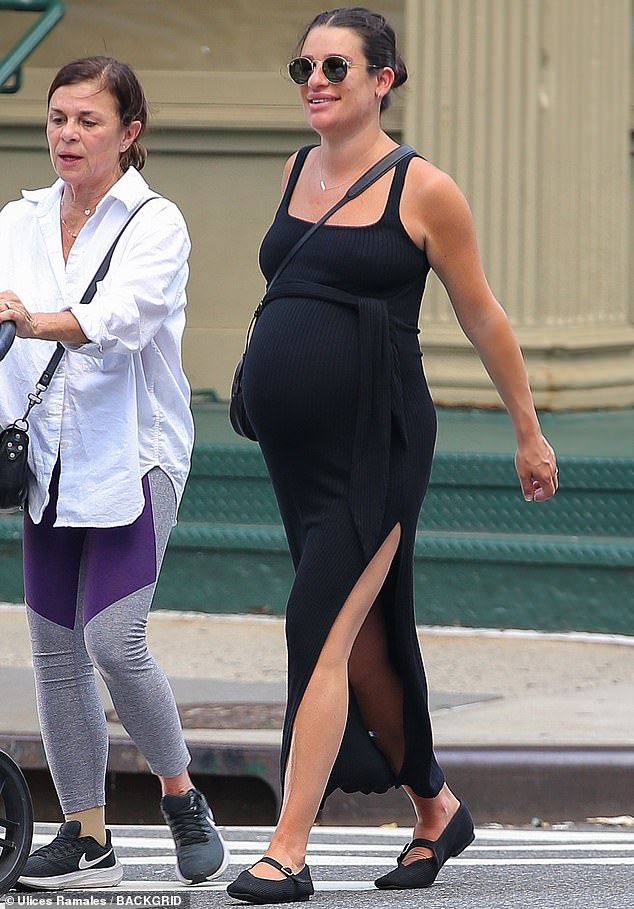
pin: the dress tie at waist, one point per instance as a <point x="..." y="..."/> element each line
<point x="380" y="404"/>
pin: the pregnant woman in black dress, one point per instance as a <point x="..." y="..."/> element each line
<point x="336" y="393"/>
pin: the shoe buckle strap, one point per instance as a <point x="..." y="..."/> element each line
<point x="427" y="844"/>
<point x="285" y="869"/>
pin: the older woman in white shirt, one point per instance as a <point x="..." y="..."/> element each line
<point x="110" y="453"/>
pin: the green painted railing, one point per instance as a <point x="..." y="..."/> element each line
<point x="11" y="65"/>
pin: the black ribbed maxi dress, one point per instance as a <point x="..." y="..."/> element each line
<point x="334" y="387"/>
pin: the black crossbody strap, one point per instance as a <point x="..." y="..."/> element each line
<point x="45" y="379"/>
<point x="367" y="179"/>
<point x="89" y="293"/>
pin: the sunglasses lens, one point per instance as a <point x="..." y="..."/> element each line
<point x="300" y="70"/>
<point x="335" y="69"/>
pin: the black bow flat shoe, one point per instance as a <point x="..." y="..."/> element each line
<point x="456" y="836"/>
<point x="294" y="888"/>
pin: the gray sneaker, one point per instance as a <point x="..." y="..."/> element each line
<point x="201" y="852"/>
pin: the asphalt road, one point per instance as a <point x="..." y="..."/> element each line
<point x="567" y="868"/>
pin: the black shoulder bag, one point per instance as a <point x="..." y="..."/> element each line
<point x="14" y="440"/>
<point x="237" y="412"/>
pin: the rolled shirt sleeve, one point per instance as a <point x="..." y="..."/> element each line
<point x="118" y="405"/>
<point x="145" y="282"/>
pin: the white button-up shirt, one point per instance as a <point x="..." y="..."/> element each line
<point x="118" y="405"/>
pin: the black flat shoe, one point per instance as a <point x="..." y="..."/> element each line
<point x="294" y="888"/>
<point x="456" y="836"/>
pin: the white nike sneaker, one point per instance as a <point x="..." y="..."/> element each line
<point x="72" y="861"/>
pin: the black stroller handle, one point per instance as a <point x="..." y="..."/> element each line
<point x="7" y="335"/>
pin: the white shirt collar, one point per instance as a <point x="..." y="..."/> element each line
<point x="130" y="189"/>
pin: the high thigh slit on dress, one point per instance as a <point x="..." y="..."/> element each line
<point x="334" y="386"/>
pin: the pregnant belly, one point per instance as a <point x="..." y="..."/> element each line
<point x="302" y="370"/>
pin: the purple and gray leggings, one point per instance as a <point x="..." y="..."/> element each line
<point x="88" y="593"/>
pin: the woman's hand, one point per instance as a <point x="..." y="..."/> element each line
<point x="13" y="310"/>
<point x="56" y="326"/>
<point x="536" y="468"/>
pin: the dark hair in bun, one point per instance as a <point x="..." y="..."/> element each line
<point x="377" y="37"/>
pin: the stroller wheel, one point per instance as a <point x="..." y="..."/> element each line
<point x="16" y="822"/>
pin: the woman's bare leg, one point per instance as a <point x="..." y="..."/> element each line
<point x="379" y="693"/>
<point x="321" y="719"/>
<point x="92" y="822"/>
<point x="432" y="816"/>
<point x="176" y="785"/>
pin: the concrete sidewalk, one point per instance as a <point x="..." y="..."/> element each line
<point x="526" y="724"/>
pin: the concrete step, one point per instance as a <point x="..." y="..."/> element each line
<point x="430" y="545"/>
<point x="483" y="555"/>
<point x="468" y="491"/>
<point x="553" y="583"/>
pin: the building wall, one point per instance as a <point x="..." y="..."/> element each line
<point x="527" y="103"/>
<point x="501" y="95"/>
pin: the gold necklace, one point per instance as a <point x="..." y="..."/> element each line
<point x="87" y="211"/>
<point x="68" y="230"/>
<point x="322" y="182"/>
<point x="325" y="188"/>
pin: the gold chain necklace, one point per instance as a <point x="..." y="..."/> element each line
<point x="322" y="182"/>
<point x="325" y="188"/>
<point x="87" y="211"/>
<point x="68" y="230"/>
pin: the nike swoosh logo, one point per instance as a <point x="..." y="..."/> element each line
<point x="88" y="863"/>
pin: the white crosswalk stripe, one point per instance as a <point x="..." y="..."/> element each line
<point x="344" y="855"/>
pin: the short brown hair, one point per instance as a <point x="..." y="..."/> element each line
<point x="121" y="82"/>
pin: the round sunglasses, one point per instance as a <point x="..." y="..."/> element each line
<point x="334" y="68"/>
